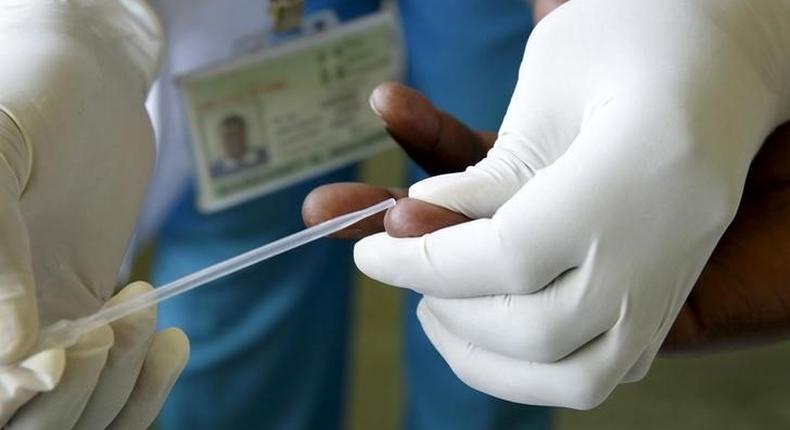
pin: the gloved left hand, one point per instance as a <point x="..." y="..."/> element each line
<point x="115" y="377"/>
<point x="76" y="148"/>
<point x="609" y="186"/>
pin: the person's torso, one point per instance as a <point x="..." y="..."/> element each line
<point x="463" y="54"/>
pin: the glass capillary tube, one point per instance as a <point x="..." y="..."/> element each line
<point x="66" y="332"/>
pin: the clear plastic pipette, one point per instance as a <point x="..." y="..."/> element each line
<point x="65" y="333"/>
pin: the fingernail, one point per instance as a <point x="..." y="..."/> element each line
<point x="425" y="318"/>
<point x="375" y="101"/>
<point x="421" y="308"/>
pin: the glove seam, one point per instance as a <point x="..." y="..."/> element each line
<point x="22" y="145"/>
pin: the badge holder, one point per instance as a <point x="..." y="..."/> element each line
<point x="292" y="111"/>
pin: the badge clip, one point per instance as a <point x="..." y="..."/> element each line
<point x="286" y="15"/>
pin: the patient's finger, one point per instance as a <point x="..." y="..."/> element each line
<point x="409" y="218"/>
<point x="435" y="140"/>
<point x="330" y="201"/>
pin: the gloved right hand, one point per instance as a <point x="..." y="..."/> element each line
<point x="76" y="148"/>
<point x="610" y="184"/>
<point x="738" y="299"/>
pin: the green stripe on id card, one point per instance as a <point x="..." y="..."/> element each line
<point x="290" y="113"/>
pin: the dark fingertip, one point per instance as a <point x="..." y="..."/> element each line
<point x="333" y="200"/>
<point x="405" y="110"/>
<point x="317" y="206"/>
<point x="435" y="140"/>
<point x="414" y="218"/>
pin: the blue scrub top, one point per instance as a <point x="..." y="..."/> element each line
<point x="269" y="344"/>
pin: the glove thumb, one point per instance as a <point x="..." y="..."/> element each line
<point x="480" y="190"/>
<point x="18" y="311"/>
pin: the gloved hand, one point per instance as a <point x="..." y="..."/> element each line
<point x="117" y="376"/>
<point x="618" y="167"/>
<point x="738" y="299"/>
<point x="76" y="148"/>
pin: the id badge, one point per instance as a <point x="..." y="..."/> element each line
<point x="269" y="120"/>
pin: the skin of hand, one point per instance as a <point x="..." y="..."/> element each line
<point x="541" y="8"/>
<point x="742" y="296"/>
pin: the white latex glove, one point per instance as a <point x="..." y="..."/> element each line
<point x="76" y="148"/>
<point x="619" y="165"/>
<point x="116" y="377"/>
